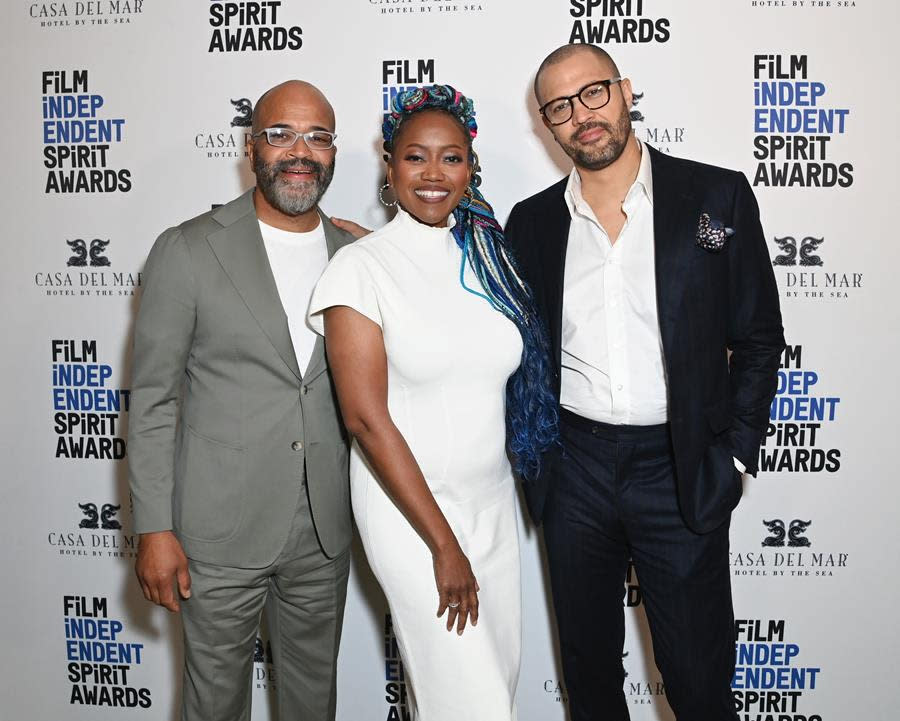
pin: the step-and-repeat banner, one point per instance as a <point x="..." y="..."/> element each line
<point x="125" y="117"/>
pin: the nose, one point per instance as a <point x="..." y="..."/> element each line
<point x="580" y="112"/>
<point x="299" y="150"/>
<point x="432" y="170"/>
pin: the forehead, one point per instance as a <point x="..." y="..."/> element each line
<point x="298" y="108"/>
<point x="568" y="76"/>
<point x="432" y="127"/>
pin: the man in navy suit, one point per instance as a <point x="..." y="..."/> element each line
<point x="648" y="270"/>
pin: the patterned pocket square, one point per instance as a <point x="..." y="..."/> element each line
<point x="712" y="234"/>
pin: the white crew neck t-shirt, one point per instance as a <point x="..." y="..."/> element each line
<point x="297" y="260"/>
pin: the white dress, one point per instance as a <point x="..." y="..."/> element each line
<point x="449" y="356"/>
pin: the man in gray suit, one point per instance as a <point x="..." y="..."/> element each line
<point x="241" y="498"/>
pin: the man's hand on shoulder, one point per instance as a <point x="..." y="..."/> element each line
<point x="355" y="229"/>
<point x="161" y="564"/>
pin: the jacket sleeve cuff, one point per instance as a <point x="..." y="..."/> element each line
<point x="152" y="514"/>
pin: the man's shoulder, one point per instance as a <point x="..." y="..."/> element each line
<point x="549" y="197"/>
<point x="220" y="216"/>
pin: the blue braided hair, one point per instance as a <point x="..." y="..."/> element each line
<point x="532" y="416"/>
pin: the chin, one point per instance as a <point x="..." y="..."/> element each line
<point x="430" y="215"/>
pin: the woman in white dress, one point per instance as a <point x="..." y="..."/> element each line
<point x="440" y="368"/>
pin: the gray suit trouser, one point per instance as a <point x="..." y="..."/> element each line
<point x="303" y="592"/>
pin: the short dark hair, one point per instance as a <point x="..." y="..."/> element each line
<point x="564" y="52"/>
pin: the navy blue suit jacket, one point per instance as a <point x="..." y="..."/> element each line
<point x="709" y="303"/>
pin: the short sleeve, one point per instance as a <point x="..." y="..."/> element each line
<point x="347" y="280"/>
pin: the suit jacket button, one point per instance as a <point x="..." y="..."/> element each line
<point x="296" y="446"/>
<point x="305" y="390"/>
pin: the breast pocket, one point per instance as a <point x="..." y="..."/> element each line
<point x="210" y="487"/>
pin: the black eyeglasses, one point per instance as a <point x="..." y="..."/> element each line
<point x="285" y="138"/>
<point x="593" y="96"/>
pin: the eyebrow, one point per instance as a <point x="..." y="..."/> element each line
<point x="314" y="127"/>
<point x="443" y="147"/>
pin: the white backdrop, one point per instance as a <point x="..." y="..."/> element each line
<point x="156" y="145"/>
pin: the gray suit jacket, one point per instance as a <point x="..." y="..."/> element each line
<point x="224" y="469"/>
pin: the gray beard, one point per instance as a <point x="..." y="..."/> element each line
<point x="283" y="196"/>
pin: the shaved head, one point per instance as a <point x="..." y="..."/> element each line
<point x="564" y="52"/>
<point x="291" y="92"/>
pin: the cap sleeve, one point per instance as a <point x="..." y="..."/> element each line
<point x="347" y="280"/>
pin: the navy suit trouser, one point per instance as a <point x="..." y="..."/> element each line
<point x="615" y="498"/>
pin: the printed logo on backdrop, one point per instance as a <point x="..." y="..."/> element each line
<point x="230" y="138"/>
<point x="772" y="679"/>
<point x="94" y="531"/>
<point x="394" y="676"/>
<point x="264" y="665"/>
<point x="617" y="21"/>
<point x="400" y="75"/>
<point x="638" y="691"/>
<point x="78" y="140"/>
<point x="102" y="664"/>
<point x="787" y="549"/>
<point x="801" y="273"/>
<point x="793" y="533"/>
<point x="795" y="127"/>
<point x="78" y="272"/>
<point x="425" y="7"/>
<point x="800" y="420"/>
<point x="88" y="411"/>
<point x="664" y="138"/>
<point x="803" y="4"/>
<point x="84" y="13"/>
<point x="253" y="26"/>
<point x="105" y="518"/>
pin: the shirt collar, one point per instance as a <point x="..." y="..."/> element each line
<point x="642" y="183"/>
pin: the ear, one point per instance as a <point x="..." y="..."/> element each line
<point x="251" y="149"/>
<point x="627" y="93"/>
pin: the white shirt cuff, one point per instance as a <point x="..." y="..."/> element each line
<point x="740" y="466"/>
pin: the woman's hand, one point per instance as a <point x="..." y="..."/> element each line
<point x="457" y="588"/>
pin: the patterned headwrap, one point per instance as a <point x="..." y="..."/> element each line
<point x="532" y="417"/>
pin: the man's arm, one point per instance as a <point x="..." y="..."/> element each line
<point x="755" y="332"/>
<point x="514" y="234"/>
<point x="163" y="337"/>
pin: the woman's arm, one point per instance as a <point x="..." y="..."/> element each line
<point x="358" y="365"/>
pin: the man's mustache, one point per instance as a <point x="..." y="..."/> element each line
<point x="590" y="126"/>
<point x="306" y="164"/>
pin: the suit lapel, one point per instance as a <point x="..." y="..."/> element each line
<point x="334" y="240"/>
<point x="551" y="237"/>
<point x="676" y="212"/>
<point x="240" y="251"/>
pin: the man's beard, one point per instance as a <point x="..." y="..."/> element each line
<point x="292" y="198"/>
<point x="597" y="158"/>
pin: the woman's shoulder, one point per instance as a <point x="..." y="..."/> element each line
<point x="375" y="246"/>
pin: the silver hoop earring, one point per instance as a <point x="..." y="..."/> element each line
<point x="381" y="196"/>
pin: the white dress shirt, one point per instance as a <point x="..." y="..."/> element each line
<point x="612" y="355"/>
<point x="612" y="359"/>
<point x="297" y="260"/>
